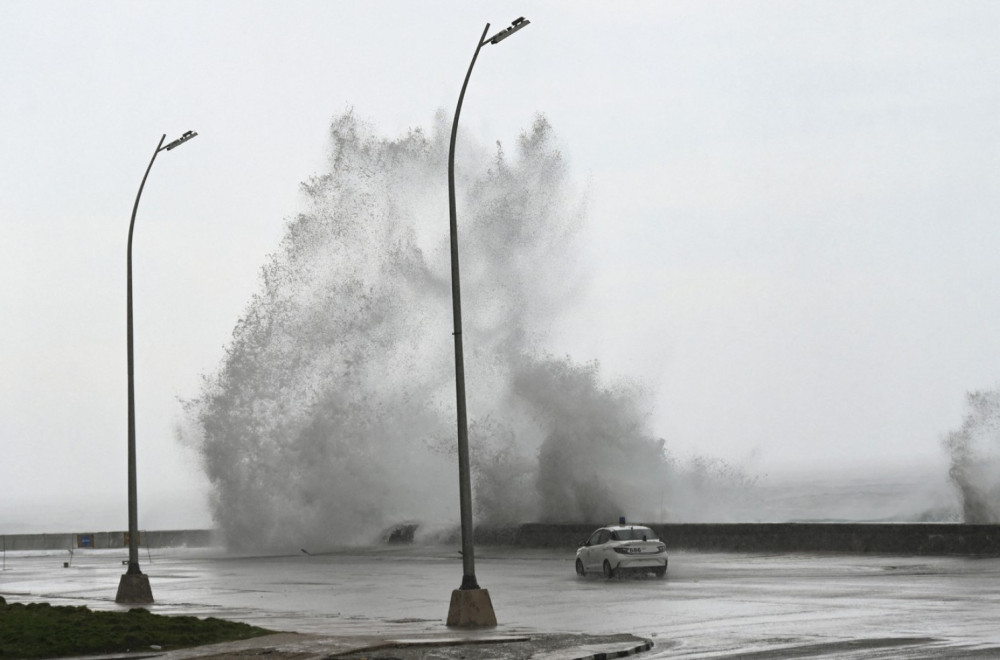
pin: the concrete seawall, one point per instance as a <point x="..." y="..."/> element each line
<point x="852" y="538"/>
<point x="193" y="538"/>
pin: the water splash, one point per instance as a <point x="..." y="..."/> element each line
<point x="332" y="414"/>
<point x="975" y="458"/>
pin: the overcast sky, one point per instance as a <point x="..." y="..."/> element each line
<point x="793" y="220"/>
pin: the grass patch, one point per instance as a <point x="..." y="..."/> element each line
<point x="40" y="630"/>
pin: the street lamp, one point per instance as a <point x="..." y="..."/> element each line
<point x="470" y="605"/>
<point x="134" y="584"/>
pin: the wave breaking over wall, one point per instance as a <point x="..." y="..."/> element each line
<point x="332" y="415"/>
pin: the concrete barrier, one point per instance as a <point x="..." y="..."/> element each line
<point x="191" y="538"/>
<point x="856" y="538"/>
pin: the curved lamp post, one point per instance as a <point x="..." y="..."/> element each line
<point x="470" y="605"/>
<point x="134" y="585"/>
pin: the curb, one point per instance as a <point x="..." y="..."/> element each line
<point x="545" y="646"/>
<point x="431" y="642"/>
<point x="540" y="647"/>
<point x="593" y="653"/>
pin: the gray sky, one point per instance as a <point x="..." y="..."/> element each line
<point x="792" y="228"/>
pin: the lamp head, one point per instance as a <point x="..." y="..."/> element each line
<point x="515" y="25"/>
<point x="181" y="140"/>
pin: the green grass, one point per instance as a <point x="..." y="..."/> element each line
<point x="40" y="630"/>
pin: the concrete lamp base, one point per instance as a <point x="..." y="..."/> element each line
<point x="471" y="608"/>
<point x="134" y="588"/>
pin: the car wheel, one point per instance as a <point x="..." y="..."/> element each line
<point x="660" y="572"/>
<point x="608" y="571"/>
<point x="579" y="568"/>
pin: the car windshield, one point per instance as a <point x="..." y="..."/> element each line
<point x="635" y="534"/>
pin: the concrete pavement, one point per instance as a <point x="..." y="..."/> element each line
<point x="709" y="606"/>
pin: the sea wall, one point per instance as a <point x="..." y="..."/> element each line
<point x="192" y="538"/>
<point x="854" y="538"/>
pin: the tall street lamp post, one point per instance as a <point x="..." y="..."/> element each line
<point x="134" y="585"/>
<point x="470" y="605"/>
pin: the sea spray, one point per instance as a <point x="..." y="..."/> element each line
<point x="975" y="458"/>
<point x="332" y="416"/>
<point x="595" y="461"/>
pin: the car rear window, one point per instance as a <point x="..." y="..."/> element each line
<point x="635" y="534"/>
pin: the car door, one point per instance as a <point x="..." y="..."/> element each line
<point x="598" y="548"/>
<point x="601" y="550"/>
<point x="589" y="551"/>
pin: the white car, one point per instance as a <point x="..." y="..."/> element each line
<point x="615" y="549"/>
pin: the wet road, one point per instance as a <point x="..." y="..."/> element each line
<point x="709" y="605"/>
